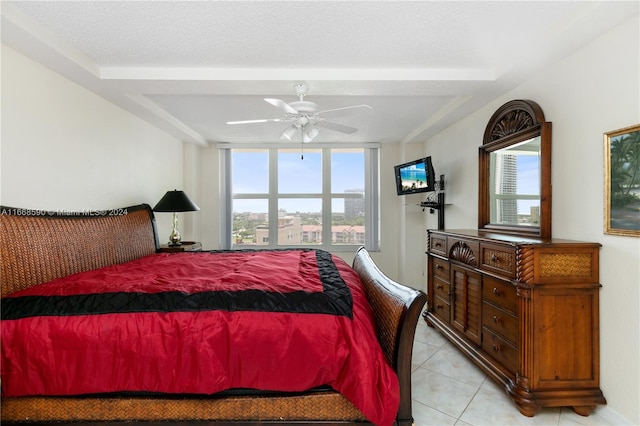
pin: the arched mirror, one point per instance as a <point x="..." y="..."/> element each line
<point x="515" y="171"/>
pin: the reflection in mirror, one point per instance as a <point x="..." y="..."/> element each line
<point x="515" y="184"/>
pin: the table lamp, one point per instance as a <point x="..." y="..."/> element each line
<point x="173" y="202"/>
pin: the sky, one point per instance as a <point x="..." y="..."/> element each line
<point x="250" y="174"/>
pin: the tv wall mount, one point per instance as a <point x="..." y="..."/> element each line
<point x="435" y="201"/>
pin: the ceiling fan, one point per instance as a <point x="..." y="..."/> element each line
<point x="304" y="116"/>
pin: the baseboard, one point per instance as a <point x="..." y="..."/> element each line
<point x="612" y="417"/>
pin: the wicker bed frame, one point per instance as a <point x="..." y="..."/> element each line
<point x="38" y="246"/>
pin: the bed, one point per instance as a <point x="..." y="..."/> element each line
<point x="321" y="343"/>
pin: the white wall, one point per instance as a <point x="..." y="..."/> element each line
<point x="210" y="213"/>
<point x="593" y="91"/>
<point x="63" y="147"/>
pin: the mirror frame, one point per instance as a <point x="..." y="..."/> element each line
<point x="512" y="123"/>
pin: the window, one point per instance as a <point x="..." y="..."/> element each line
<point x="323" y="197"/>
<point x="514" y="190"/>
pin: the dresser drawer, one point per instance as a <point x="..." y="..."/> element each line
<point x="438" y="244"/>
<point x="440" y="268"/>
<point x="441" y="288"/>
<point x="463" y="250"/>
<point x="498" y="259"/>
<point x="442" y="308"/>
<point x="500" y="293"/>
<point x="501" y="322"/>
<point x="500" y="350"/>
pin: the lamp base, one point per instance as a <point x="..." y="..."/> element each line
<point x="174" y="237"/>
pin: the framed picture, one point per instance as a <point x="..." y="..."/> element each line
<point x="622" y="181"/>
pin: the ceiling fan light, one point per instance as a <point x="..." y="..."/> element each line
<point x="309" y="132"/>
<point x="288" y="133"/>
<point x="306" y="138"/>
<point x="312" y="131"/>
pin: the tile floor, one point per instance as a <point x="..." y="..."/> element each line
<point x="448" y="389"/>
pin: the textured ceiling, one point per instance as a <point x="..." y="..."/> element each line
<point x="188" y="67"/>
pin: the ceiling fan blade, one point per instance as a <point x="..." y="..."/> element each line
<point x="342" y="111"/>
<point x="337" y="127"/>
<point x="264" y="120"/>
<point x="281" y="105"/>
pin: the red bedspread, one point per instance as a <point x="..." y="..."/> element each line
<point x="200" y="323"/>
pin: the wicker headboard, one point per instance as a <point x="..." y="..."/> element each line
<point x="37" y="246"/>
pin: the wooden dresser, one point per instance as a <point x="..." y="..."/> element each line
<point x="525" y="310"/>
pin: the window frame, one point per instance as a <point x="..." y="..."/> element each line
<point x="371" y="195"/>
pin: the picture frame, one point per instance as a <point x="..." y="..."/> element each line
<point x="622" y="181"/>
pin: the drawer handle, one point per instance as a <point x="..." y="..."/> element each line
<point x="496" y="348"/>
<point x="437" y="244"/>
<point x="439" y="286"/>
<point x="438" y="266"/>
<point x="496" y="320"/>
<point x="496" y="291"/>
<point x="494" y="258"/>
<point x="440" y="307"/>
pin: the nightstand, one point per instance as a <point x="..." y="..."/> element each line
<point x="186" y="246"/>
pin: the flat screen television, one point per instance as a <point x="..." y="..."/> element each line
<point x="415" y="176"/>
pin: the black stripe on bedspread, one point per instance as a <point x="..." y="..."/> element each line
<point x="335" y="299"/>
